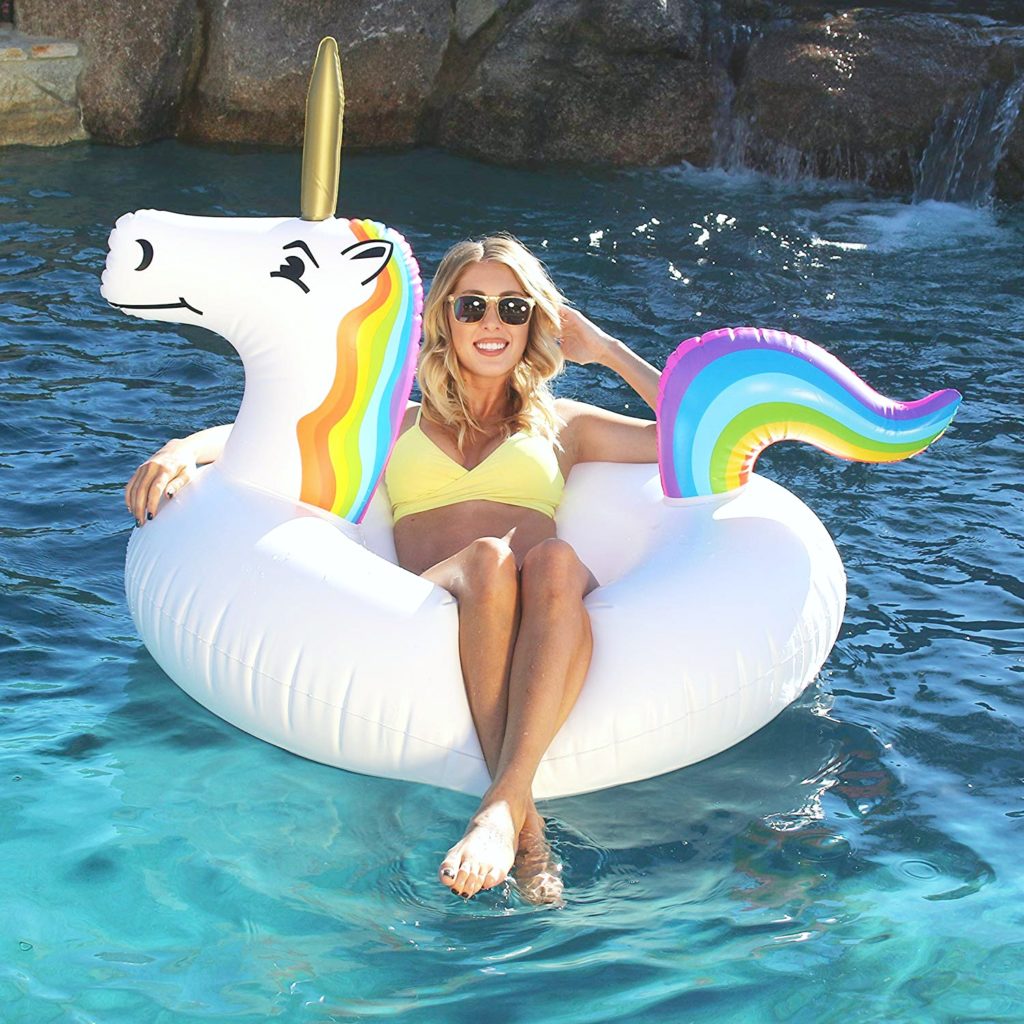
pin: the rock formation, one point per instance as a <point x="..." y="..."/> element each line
<point x="874" y="95"/>
<point x="138" y="56"/>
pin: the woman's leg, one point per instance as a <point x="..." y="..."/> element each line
<point x="485" y="581"/>
<point x="486" y="584"/>
<point x="549" y="663"/>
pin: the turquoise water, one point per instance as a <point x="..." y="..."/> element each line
<point x="856" y="860"/>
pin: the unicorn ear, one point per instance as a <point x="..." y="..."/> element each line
<point x="376" y="252"/>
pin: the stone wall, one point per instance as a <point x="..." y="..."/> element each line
<point x="39" y="91"/>
<point x="789" y="88"/>
<point x="138" y="56"/>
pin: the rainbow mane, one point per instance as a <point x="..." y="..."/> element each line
<point x="345" y="442"/>
<point x="727" y="395"/>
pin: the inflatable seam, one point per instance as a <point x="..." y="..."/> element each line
<point x="289" y="713"/>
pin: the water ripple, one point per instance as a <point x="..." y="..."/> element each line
<point x="852" y="860"/>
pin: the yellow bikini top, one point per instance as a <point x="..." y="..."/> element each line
<point x="522" y="471"/>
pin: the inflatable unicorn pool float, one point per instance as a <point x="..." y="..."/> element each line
<point x="268" y="589"/>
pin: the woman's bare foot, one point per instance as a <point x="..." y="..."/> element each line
<point x="537" y="873"/>
<point x="481" y="859"/>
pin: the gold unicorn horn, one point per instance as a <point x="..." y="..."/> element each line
<point x="321" y="147"/>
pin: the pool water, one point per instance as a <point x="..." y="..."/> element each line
<point x="856" y="860"/>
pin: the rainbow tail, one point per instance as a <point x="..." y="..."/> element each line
<point x="728" y="395"/>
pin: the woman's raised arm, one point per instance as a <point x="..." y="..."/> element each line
<point x="596" y="435"/>
<point x="169" y="469"/>
<point x="584" y="342"/>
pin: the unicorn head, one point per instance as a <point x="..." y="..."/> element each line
<point x="324" y="313"/>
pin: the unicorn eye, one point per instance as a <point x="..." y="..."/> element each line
<point x="292" y="270"/>
<point x="147" y="253"/>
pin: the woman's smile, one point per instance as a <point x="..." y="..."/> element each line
<point x="491" y="347"/>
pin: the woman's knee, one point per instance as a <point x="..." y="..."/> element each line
<point x="489" y="571"/>
<point x="553" y="571"/>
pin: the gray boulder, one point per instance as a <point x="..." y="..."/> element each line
<point x="251" y="86"/>
<point x="900" y="101"/>
<point x="137" y="59"/>
<point x="600" y="81"/>
<point x="1010" y="173"/>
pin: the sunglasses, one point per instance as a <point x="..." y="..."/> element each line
<point x="513" y="310"/>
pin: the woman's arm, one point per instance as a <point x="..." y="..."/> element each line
<point x="169" y="469"/>
<point x="584" y="342"/>
<point x="596" y="435"/>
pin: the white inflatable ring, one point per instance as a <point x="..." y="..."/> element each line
<point x="712" y="615"/>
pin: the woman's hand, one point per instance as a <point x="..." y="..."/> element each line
<point x="583" y="341"/>
<point x="165" y="472"/>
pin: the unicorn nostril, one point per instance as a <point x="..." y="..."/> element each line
<point x="147" y="253"/>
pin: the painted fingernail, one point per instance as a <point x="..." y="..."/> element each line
<point x="149" y="515"/>
<point x="138" y="523"/>
<point x="170" y="494"/>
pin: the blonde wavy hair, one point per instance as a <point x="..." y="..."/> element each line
<point x="531" y="404"/>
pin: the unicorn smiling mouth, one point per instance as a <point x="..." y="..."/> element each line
<point x="180" y="304"/>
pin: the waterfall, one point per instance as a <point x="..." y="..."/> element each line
<point x="959" y="162"/>
<point x="727" y="49"/>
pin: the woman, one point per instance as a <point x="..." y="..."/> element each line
<point x="474" y="479"/>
